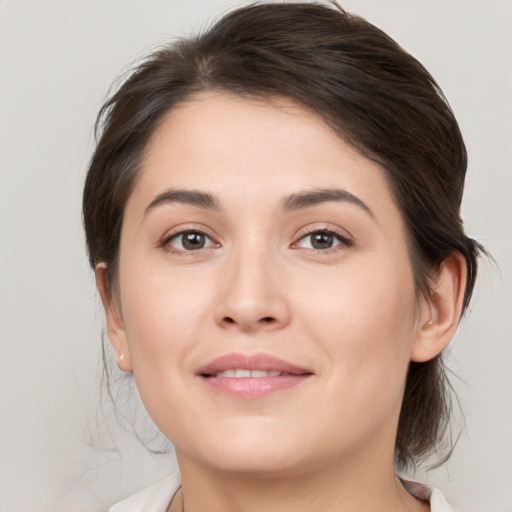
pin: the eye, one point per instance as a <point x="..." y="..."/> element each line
<point x="189" y="241"/>
<point x="322" y="239"/>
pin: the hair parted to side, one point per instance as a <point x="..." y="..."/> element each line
<point x="366" y="87"/>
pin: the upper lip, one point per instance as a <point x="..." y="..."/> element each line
<point x="262" y="362"/>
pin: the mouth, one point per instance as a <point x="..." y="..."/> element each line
<point x="243" y="373"/>
<point x="251" y="376"/>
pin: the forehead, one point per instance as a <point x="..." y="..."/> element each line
<point x="249" y="148"/>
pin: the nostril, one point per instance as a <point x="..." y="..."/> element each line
<point x="247" y="323"/>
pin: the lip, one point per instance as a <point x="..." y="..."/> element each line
<point x="252" y="387"/>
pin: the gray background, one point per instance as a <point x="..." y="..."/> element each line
<point x="57" y="59"/>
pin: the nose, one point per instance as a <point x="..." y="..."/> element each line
<point x="252" y="295"/>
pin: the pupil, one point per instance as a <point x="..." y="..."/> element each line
<point x="322" y="240"/>
<point x="193" y="241"/>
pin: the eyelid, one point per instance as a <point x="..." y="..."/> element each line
<point x="164" y="242"/>
<point x="345" y="241"/>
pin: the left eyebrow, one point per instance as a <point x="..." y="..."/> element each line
<point x="309" y="198"/>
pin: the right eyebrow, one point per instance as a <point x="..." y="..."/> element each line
<point x="193" y="197"/>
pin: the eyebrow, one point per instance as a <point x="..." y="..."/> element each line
<point x="193" y="197"/>
<point x="293" y="202"/>
<point x="310" y="198"/>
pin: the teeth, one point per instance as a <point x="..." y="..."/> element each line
<point x="259" y="373"/>
<point x="247" y="373"/>
<point x="226" y="373"/>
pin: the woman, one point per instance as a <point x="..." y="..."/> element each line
<point x="272" y="213"/>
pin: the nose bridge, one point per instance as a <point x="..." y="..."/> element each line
<point x="252" y="294"/>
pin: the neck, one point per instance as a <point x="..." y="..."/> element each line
<point x="356" y="486"/>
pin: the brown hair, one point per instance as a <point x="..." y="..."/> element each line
<point x="365" y="86"/>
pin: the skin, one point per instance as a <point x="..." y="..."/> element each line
<point x="350" y="313"/>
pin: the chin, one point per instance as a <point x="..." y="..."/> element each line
<point x="262" y="454"/>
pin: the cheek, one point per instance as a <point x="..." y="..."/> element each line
<point x="364" y="319"/>
<point x="166" y="317"/>
<point x="163" y="312"/>
<point x="364" y="327"/>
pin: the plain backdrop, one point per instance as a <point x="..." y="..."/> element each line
<point x="57" y="60"/>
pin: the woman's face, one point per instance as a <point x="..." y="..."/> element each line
<point x="255" y="239"/>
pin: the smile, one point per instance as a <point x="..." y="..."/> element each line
<point x="251" y="376"/>
<point x="241" y="373"/>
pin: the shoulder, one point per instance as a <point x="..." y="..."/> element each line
<point x="428" y="493"/>
<point x="155" y="498"/>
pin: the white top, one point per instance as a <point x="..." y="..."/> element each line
<point x="156" y="497"/>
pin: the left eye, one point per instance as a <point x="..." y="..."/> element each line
<point x="190" y="241"/>
<point x="323" y="239"/>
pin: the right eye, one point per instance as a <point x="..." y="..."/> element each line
<point x="190" y="240"/>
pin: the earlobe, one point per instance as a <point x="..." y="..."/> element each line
<point x="441" y="315"/>
<point x="115" y="326"/>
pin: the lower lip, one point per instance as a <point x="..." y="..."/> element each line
<point x="253" y="387"/>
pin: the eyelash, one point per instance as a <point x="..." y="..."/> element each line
<point x="344" y="242"/>
<point x="166" y="241"/>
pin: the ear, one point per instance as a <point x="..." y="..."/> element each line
<point x="441" y="314"/>
<point x="115" y="326"/>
